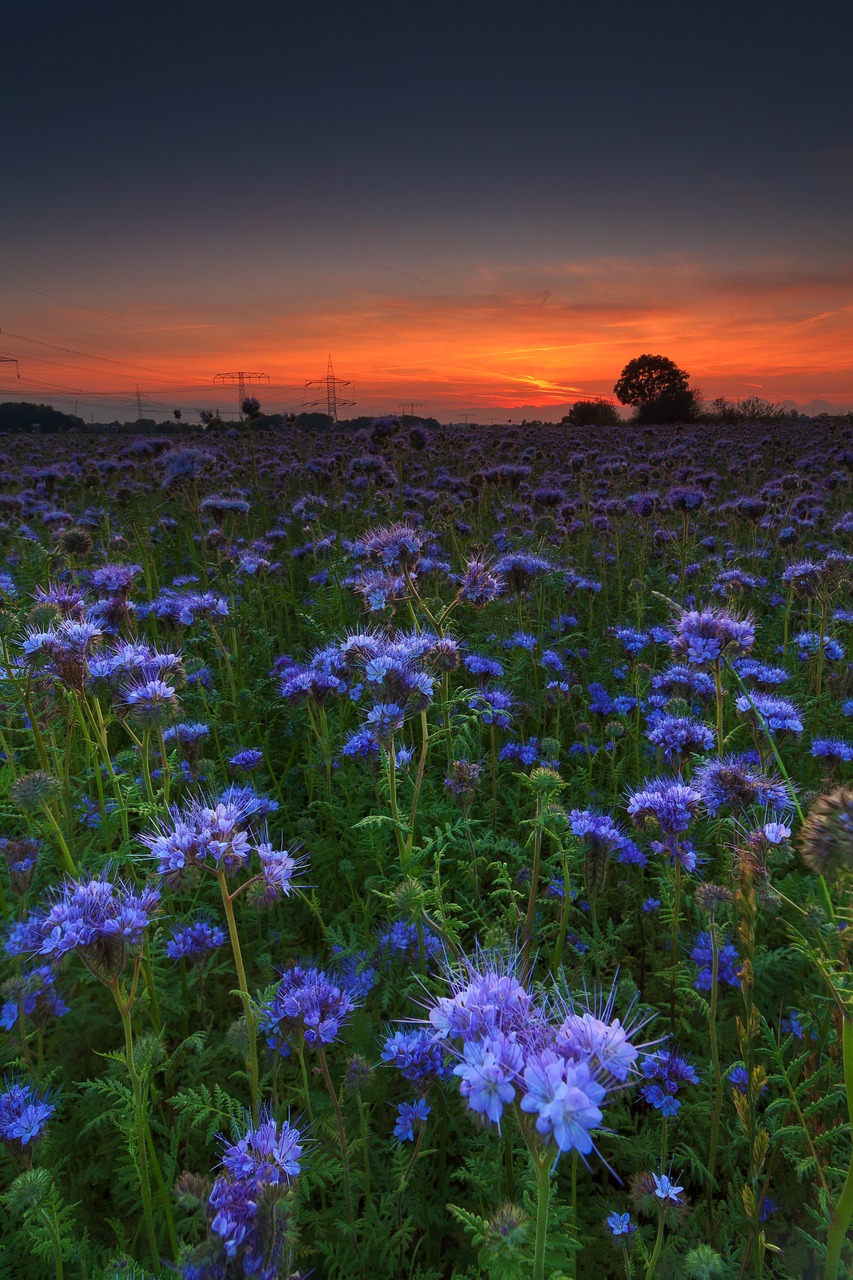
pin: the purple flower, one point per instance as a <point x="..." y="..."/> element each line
<point x="408" y="1115"/>
<point x="23" y="1114"/>
<point x="703" y="956"/>
<point x="246" y="761"/>
<point x="620" y="1224"/>
<point x="702" y="637"/>
<point x="564" y="1098"/>
<point x="666" y="1190"/>
<point x="670" y="802"/>
<point x="779" y="715"/>
<point x="194" y="942"/>
<point x="416" y="1054"/>
<point x="99" y="919"/>
<point x="308" y="1005"/>
<point x="265" y="1154"/>
<point x="488" y="1072"/>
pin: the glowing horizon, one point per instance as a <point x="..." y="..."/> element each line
<point x="498" y="336"/>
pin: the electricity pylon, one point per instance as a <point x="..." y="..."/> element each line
<point x="333" y="400"/>
<point x="242" y="379"/>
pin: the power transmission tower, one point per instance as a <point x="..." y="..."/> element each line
<point x="242" y="379"/>
<point x="411" y="405"/>
<point x="139" y="413"/>
<point x="333" y="400"/>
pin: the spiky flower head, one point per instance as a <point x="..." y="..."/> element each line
<point x="75" y="542"/>
<point x="826" y="839"/>
<point x="711" y="898"/>
<point x="33" y="791"/>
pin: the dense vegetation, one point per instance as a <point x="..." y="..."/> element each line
<point x="427" y="853"/>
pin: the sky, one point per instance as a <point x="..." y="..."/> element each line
<point x="472" y="208"/>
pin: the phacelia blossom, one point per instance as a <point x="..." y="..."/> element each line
<point x="727" y="962"/>
<point x="24" y="1114"/>
<point x="669" y="802"/>
<point x="702" y="637"/>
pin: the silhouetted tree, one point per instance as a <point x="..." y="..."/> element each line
<point x="592" y="413"/>
<point x="658" y="390"/>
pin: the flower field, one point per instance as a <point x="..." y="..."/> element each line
<point x="427" y="853"/>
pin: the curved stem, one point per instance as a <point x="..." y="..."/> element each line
<point x="251" y="1020"/>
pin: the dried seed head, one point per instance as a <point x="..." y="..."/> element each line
<point x="826" y="840"/>
<point x="711" y="898"/>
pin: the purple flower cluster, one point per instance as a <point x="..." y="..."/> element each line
<point x="703" y="636"/>
<point x="603" y="836"/>
<point x="779" y="715"/>
<point x="727" y="962"/>
<point x="244" y="1202"/>
<point x="309" y="1005"/>
<point x="680" y="736"/>
<point x="665" y="1072"/>
<point x="102" y="920"/>
<point x="216" y="834"/>
<point x="23" y="1114"/>
<point x="194" y="942"/>
<point x="668" y="801"/>
<point x="33" y="993"/>
<point x="558" y="1062"/>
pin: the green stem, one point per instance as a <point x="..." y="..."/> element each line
<point x="718" y="1087"/>
<point x="251" y="1021"/>
<point x="342" y="1139"/>
<point x="54" y="1242"/>
<point x="140" y="1121"/>
<point x="653" y="1260"/>
<point x="543" y="1196"/>
<point x="843" y="1212"/>
<point x="67" y="860"/>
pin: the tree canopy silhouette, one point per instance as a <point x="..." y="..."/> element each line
<point x="657" y="389"/>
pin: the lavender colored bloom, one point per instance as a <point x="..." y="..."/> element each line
<point x="99" y="919"/>
<point x="24" y="1114"/>
<point x="736" y="782"/>
<point x="488" y="1073"/>
<point x="779" y="715"/>
<point x="651" y="905"/>
<point x="479" y="584"/>
<point x="493" y="706"/>
<point x="620" y="1224"/>
<point x="703" y="636"/>
<point x="246" y="761"/>
<point x="480" y="664"/>
<point x="385" y="720"/>
<point x="666" y="1190"/>
<point x="679" y="736"/>
<point x="416" y="1054"/>
<point x="402" y="940"/>
<point x="832" y="749"/>
<point x="665" y="1072"/>
<point x="194" y="942"/>
<point x="669" y="802"/>
<point x="565" y="1099"/>
<point x="308" y="1005"/>
<point x="266" y="1154"/>
<point x="410" y="1114"/>
<point x="32" y="994"/>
